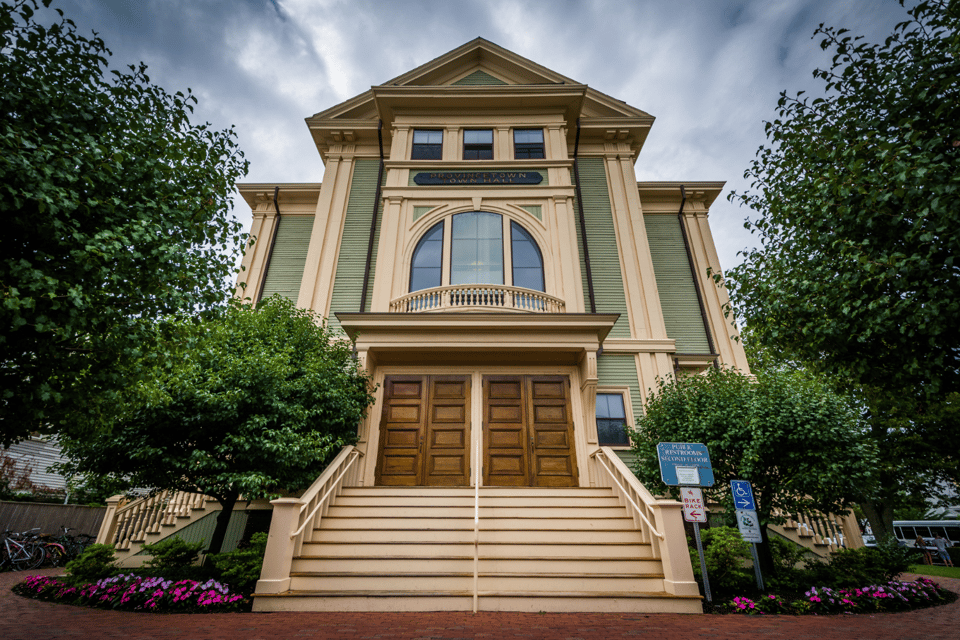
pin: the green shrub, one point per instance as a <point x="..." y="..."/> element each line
<point x="172" y="553"/>
<point x="241" y="567"/>
<point x="726" y="555"/>
<point x="98" y="561"/>
<point x="851" y="568"/>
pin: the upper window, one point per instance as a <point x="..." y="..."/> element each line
<point x="611" y="420"/>
<point x="427" y="145"/>
<point x="477" y="254"/>
<point x="426" y="268"/>
<point x="478" y="144"/>
<point x="528" y="144"/>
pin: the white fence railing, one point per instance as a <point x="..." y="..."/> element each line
<point x="478" y="297"/>
<point x="294" y="519"/>
<point x="659" y="521"/>
<point x="130" y="521"/>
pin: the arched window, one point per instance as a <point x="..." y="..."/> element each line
<point x="427" y="268"/>
<point x="477" y="254"/>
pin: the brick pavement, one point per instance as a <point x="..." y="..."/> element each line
<point x="23" y="619"/>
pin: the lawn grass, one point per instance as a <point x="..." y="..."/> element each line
<point x="933" y="570"/>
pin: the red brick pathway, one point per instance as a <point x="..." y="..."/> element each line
<point x="23" y="619"/>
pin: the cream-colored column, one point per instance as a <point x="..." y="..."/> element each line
<point x="652" y="310"/>
<point x="503" y="145"/>
<point x="715" y="299"/>
<point x="626" y="244"/>
<point x="321" y="264"/>
<point x="399" y="146"/>
<point x="565" y="253"/>
<point x="387" y="279"/>
<point x="255" y="256"/>
<point x="451" y="143"/>
<point x="588" y="399"/>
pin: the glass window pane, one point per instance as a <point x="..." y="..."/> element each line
<point x="953" y="534"/>
<point x="611" y="420"/>
<point x="425" y="271"/>
<point x="924" y="531"/>
<point x="527" y="261"/>
<point x="483" y="136"/>
<point x="427" y="137"/>
<point x="477" y="251"/>
<point x="528" y="135"/>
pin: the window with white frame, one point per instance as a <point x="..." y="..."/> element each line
<point x="611" y="420"/>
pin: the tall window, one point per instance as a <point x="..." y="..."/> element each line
<point x="477" y="254"/>
<point x="611" y="420"/>
<point x="528" y="144"/>
<point x="427" y="268"/>
<point x="427" y="145"/>
<point x="478" y="144"/>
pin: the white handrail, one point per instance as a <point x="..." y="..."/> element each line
<point x="476" y="528"/>
<point x="354" y="456"/>
<point x="601" y="456"/>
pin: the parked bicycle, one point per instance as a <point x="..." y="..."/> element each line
<point x="21" y="551"/>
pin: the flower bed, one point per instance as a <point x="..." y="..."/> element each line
<point x="136" y="593"/>
<point x="892" y="596"/>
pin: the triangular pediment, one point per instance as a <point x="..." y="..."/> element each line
<point x="474" y="67"/>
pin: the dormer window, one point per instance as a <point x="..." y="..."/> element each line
<point x="478" y="144"/>
<point x="427" y="145"/>
<point x="528" y="144"/>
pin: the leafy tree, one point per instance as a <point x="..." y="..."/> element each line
<point x="255" y="402"/>
<point x="857" y="191"/>
<point x="794" y="439"/>
<point x="918" y="461"/>
<point x="116" y="212"/>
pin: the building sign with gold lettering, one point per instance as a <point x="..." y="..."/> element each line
<point x="477" y="177"/>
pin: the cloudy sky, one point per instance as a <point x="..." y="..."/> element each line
<point x="710" y="71"/>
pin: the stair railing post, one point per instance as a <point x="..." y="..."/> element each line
<point x="476" y="530"/>
<point x="278" y="558"/>
<point x="108" y="527"/>
<point x="678" y="577"/>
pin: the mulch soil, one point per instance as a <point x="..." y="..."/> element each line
<point x="24" y="619"/>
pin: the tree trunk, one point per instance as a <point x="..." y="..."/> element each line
<point x="223" y="520"/>
<point x="880" y="516"/>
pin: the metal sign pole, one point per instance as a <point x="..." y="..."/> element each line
<point x="703" y="563"/>
<point x="756" y="565"/>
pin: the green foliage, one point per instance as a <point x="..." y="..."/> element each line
<point x="849" y="568"/>
<point x="727" y="557"/>
<point x="857" y="191"/>
<point x="796" y="441"/>
<point x="241" y="567"/>
<point x="253" y="402"/>
<point x="173" y="552"/>
<point x="97" y="561"/>
<point x="116" y="211"/>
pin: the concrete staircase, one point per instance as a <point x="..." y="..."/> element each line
<point x="412" y="549"/>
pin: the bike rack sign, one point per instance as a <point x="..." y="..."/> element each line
<point x="693" y="506"/>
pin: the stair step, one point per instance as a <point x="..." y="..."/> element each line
<point x="411" y="523"/>
<point x="489" y="550"/>
<point x="485" y="501"/>
<point x="461" y="564"/>
<point x="528" y="512"/>
<point x="400" y="536"/>
<point x="484" y="491"/>
<point x="432" y="582"/>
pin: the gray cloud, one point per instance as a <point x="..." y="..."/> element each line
<point x="710" y="71"/>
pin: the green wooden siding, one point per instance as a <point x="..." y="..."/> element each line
<point x="602" y="236"/>
<point x="202" y="530"/>
<point x="348" y="284"/>
<point x="480" y="78"/>
<point x="543" y="173"/>
<point x="289" y="256"/>
<point x="620" y="370"/>
<point x="678" y="292"/>
<point x="534" y="210"/>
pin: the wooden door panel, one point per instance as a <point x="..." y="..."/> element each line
<point x="506" y="458"/>
<point x="528" y="432"/>
<point x="447" y="458"/>
<point x="554" y="455"/>
<point x="400" y="462"/>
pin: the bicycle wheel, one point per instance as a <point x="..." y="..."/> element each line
<point x="54" y="555"/>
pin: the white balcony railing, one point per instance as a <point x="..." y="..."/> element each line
<point x="478" y="297"/>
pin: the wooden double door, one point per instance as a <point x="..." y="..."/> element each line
<point x="425" y="431"/>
